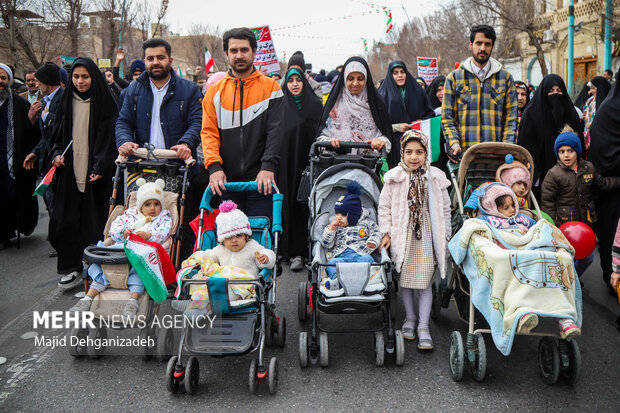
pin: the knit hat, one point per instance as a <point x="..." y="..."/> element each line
<point x="569" y="139"/>
<point x="137" y="65"/>
<point x="149" y="190"/>
<point x="64" y="76"/>
<point x="350" y="203"/>
<point x="487" y="194"/>
<point x="231" y="221"/>
<point x="48" y="74"/>
<point x="297" y="59"/>
<point x="513" y="171"/>
<point x="8" y="71"/>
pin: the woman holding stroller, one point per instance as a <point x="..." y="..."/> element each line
<point x="84" y="175"/>
<point x="406" y="102"/>
<point x="302" y="110"/>
<point x="354" y="110"/>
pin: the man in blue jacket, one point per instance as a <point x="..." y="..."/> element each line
<point x="159" y="108"/>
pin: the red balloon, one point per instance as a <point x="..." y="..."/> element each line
<point x="580" y="236"/>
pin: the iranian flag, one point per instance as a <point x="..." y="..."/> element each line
<point x="45" y="182"/>
<point x="431" y="128"/>
<point x="152" y="264"/>
<point x="209" y="62"/>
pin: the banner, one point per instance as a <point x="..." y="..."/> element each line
<point x="266" y="57"/>
<point x="427" y="68"/>
<point x="67" y="60"/>
<point x="103" y="63"/>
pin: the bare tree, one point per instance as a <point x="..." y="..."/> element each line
<point x="160" y="16"/>
<point x="211" y="37"/>
<point x="67" y="14"/>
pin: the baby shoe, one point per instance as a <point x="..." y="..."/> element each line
<point x="568" y="328"/>
<point x="527" y="322"/>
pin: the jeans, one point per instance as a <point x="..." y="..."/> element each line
<point x="347" y="255"/>
<point x="101" y="283"/>
<point x="582" y="265"/>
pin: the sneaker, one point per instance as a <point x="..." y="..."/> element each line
<point x="69" y="281"/>
<point x="332" y="284"/>
<point x="82" y="305"/>
<point x="527" y="322"/>
<point x="131" y="308"/>
<point x="568" y="328"/>
<point x="297" y="264"/>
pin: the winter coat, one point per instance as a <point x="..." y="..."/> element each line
<point x="244" y="258"/>
<point x="475" y="111"/>
<point x="159" y="227"/>
<point x="569" y="196"/>
<point x="394" y="214"/>
<point x="354" y="236"/>
<point x="180" y="113"/>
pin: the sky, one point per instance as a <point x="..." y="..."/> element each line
<point x="326" y="43"/>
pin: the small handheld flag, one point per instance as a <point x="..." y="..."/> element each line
<point x="209" y="62"/>
<point x="49" y="176"/>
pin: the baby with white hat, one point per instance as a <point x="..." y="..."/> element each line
<point x="149" y="221"/>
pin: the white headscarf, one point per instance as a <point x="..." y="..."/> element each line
<point x="351" y="118"/>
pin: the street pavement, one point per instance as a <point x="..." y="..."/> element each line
<point x="41" y="379"/>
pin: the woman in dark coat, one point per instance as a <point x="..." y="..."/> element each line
<point x="605" y="155"/>
<point x="549" y="110"/>
<point x="84" y="176"/>
<point x="302" y="110"/>
<point x="406" y="102"/>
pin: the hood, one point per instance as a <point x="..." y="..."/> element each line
<point x="495" y="67"/>
<point x="249" y="79"/>
<point x="523" y="176"/>
<point x="488" y="193"/>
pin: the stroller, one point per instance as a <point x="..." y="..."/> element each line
<point x="479" y="165"/>
<point x="367" y="287"/>
<point x="150" y="165"/>
<point x="241" y="326"/>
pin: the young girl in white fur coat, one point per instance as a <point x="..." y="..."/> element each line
<point x="414" y="216"/>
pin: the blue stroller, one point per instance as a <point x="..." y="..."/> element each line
<point x="238" y="328"/>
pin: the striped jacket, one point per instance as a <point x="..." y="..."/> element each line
<point x="475" y="111"/>
<point x="242" y="142"/>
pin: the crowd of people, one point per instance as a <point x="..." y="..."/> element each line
<point x="246" y="125"/>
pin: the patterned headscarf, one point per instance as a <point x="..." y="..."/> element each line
<point x="417" y="180"/>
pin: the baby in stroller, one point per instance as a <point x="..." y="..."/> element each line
<point x="147" y="220"/>
<point x="351" y="236"/>
<point x="237" y="256"/>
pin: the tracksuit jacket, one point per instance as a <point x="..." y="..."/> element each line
<point x="476" y="111"/>
<point x="242" y="126"/>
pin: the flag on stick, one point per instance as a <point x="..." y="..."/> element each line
<point x="47" y="179"/>
<point x="209" y="62"/>
<point x="431" y="128"/>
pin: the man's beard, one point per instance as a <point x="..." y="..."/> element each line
<point x="4" y="93"/>
<point x="481" y="61"/>
<point x="165" y="72"/>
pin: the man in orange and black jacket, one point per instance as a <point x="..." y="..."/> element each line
<point x="242" y="126"/>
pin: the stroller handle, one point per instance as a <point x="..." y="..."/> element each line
<point x="345" y="145"/>
<point x="105" y="255"/>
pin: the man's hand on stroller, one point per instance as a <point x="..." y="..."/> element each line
<point x="127" y="148"/>
<point x="377" y="144"/>
<point x="455" y="152"/>
<point x="217" y="182"/>
<point x="183" y="150"/>
<point x="265" y="179"/>
<point x="385" y="242"/>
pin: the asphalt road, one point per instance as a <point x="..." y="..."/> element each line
<point x="37" y="378"/>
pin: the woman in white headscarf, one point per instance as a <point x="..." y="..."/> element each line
<point x="354" y="110"/>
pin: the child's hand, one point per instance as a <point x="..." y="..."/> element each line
<point x="334" y="224"/>
<point x="126" y="234"/>
<point x="143" y="234"/>
<point x="262" y="258"/>
<point x="371" y="246"/>
<point x="385" y="242"/>
<point x="615" y="278"/>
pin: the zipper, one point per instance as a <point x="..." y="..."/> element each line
<point x="241" y="124"/>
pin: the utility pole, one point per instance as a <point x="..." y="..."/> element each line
<point x="571" y="46"/>
<point x="120" y="38"/>
<point x="608" y="21"/>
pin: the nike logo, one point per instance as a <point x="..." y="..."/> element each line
<point x="257" y="109"/>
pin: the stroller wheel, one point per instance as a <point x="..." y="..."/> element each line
<point x="252" y="378"/>
<point x="192" y="375"/>
<point x="400" y="348"/>
<point x="268" y="329"/>
<point x="379" y="349"/>
<point x="436" y="306"/>
<point x="146" y="351"/>
<point x="281" y="323"/>
<point x="548" y="360"/>
<point x="172" y="383"/>
<point x="303" y="349"/>
<point x="165" y="337"/>
<point x="323" y="349"/>
<point x="570" y="350"/>
<point x="78" y="350"/>
<point x="273" y="375"/>
<point x="479" y="366"/>
<point x="457" y="356"/>
<point x="94" y="335"/>
<point x="302" y="301"/>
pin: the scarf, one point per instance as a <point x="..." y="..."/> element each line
<point x="605" y="133"/>
<point x="10" y="138"/>
<point x="298" y="99"/>
<point x="416" y="193"/>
